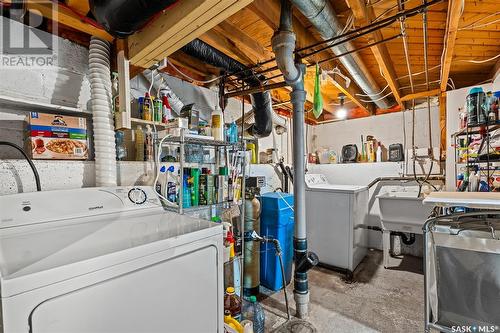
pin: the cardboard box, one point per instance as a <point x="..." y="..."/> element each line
<point x="53" y="136"/>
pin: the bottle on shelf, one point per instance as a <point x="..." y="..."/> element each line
<point x="148" y="144"/>
<point x="147" y="108"/>
<point x="140" y="104"/>
<point x="254" y="312"/>
<point x="166" y="110"/>
<point x="157" y="109"/>
<point x="139" y="143"/>
<point x="121" y="149"/>
<point x="217" y="124"/>
<point x="379" y="152"/>
<point x="232" y="303"/>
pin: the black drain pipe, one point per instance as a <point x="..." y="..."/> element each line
<point x="261" y="101"/>
<point x="283" y="44"/>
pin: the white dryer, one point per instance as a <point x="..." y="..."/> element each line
<point x="336" y="221"/>
<point x="106" y="260"/>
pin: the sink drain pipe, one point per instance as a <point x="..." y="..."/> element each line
<point x="283" y="44"/>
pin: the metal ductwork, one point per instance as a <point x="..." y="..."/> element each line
<point x="322" y="16"/>
<point x="261" y="101"/>
<point x="124" y="17"/>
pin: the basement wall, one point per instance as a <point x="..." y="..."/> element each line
<point x="388" y="129"/>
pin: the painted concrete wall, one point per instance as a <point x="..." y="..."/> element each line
<point x="388" y="128"/>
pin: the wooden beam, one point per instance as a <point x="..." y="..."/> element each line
<point x="450" y="36"/>
<point x="243" y="41"/>
<point x="178" y="26"/>
<point x="442" y="125"/>
<point x="66" y="17"/>
<point x="80" y="6"/>
<point x="422" y="94"/>
<point x="365" y="15"/>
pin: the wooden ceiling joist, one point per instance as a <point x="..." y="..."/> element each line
<point x="68" y="18"/>
<point x="453" y="18"/>
<point x="434" y="92"/>
<point x="365" y="15"/>
<point x="178" y="26"/>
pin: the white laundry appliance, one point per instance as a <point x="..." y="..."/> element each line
<point x="107" y="260"/>
<point x="336" y="221"/>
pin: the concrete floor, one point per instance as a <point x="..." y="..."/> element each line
<point x="379" y="300"/>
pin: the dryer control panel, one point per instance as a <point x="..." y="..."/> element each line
<point x="37" y="207"/>
<point x="315" y="179"/>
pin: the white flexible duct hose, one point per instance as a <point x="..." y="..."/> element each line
<point x="102" y="116"/>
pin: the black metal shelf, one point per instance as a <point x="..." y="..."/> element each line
<point x="476" y="129"/>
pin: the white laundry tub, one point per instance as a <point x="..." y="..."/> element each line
<point x="401" y="211"/>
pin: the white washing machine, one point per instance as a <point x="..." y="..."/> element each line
<point x="336" y="220"/>
<point x="107" y="260"/>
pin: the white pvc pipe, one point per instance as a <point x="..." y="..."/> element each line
<point x="102" y="116"/>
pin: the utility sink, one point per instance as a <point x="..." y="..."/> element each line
<point x="401" y="211"/>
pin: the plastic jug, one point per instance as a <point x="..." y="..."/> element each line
<point x="254" y="312"/>
<point x="232" y="303"/>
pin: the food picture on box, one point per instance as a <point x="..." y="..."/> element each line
<point x="51" y="136"/>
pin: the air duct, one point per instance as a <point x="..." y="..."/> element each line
<point x="322" y="16"/>
<point x="102" y="116"/>
<point x="124" y="17"/>
<point x="261" y="101"/>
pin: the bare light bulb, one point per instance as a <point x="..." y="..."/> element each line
<point x="342" y="113"/>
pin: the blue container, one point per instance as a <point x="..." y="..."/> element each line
<point x="276" y="222"/>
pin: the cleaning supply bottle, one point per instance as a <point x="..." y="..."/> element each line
<point x="253" y="311"/>
<point x="379" y="152"/>
<point x="217" y="125"/>
<point x="167" y="110"/>
<point x="139" y="143"/>
<point x="195" y="188"/>
<point x="186" y="188"/>
<point x="148" y="144"/>
<point x="147" y="108"/>
<point x="171" y="185"/>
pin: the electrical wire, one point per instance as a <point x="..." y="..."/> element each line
<point x="473" y="24"/>
<point x="479" y="61"/>
<point x="378" y="99"/>
<point x="374" y="95"/>
<point x="190" y="78"/>
<point x="418" y="73"/>
<point x="30" y="162"/>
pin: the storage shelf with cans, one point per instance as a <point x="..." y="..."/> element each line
<point x="487" y="165"/>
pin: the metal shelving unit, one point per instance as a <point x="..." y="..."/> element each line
<point x="186" y="139"/>
<point x="485" y="167"/>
